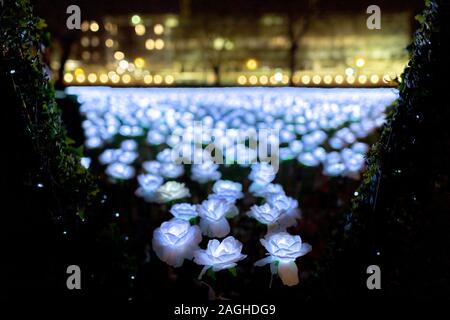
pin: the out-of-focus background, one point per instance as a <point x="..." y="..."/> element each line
<point x="228" y="43"/>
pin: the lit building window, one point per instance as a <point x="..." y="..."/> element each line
<point x="109" y="43"/>
<point x="119" y="55"/>
<point x="135" y="19"/>
<point x="139" y="29"/>
<point x="158" y="29"/>
<point x="84" y="41"/>
<point x="85" y="26"/>
<point x="159" y="44"/>
<point x="360" y="62"/>
<point x="150" y="44"/>
<point x="85" y="55"/>
<point x="95" y="41"/>
<point x="94" y="26"/>
<point x="139" y="63"/>
<point x="251" y="64"/>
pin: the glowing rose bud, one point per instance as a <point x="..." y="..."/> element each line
<point x="283" y="249"/>
<point x="265" y="214"/>
<point x="176" y="240"/>
<point x="148" y="184"/>
<point x="165" y="156"/>
<point x="109" y="156"/>
<point x="219" y="255"/>
<point x="288" y="208"/>
<point x="170" y="191"/>
<point x="204" y="172"/>
<point x="268" y="190"/>
<point x="227" y="190"/>
<point x="152" y="167"/>
<point x="128" y="145"/>
<point x="262" y="174"/>
<point x="171" y="170"/>
<point x="184" y="211"/>
<point x="214" y="214"/>
<point x="120" y="171"/>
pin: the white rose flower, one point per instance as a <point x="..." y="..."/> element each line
<point x="214" y="213"/>
<point x="152" y="167"/>
<point x="204" y="172"/>
<point x="288" y="208"/>
<point x="171" y="170"/>
<point x="227" y="190"/>
<point x="108" y="156"/>
<point x="268" y="190"/>
<point x="128" y="145"/>
<point x="265" y="214"/>
<point x="165" y="156"/>
<point x="262" y="174"/>
<point x="127" y="157"/>
<point x="176" y="240"/>
<point x="219" y="255"/>
<point x="120" y="171"/>
<point x="184" y="211"/>
<point x="148" y="184"/>
<point x="171" y="190"/>
<point x="283" y="249"/>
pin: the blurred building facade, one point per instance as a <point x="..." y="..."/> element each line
<point x="213" y="49"/>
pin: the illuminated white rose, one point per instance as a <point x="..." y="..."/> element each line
<point x="214" y="214"/>
<point x="268" y="190"/>
<point x="148" y="184"/>
<point x="283" y="249"/>
<point x="171" y="170"/>
<point x="152" y="167"/>
<point x="128" y="145"/>
<point x="204" y="172"/>
<point x="170" y="191"/>
<point x="176" y="240"/>
<point x="127" y="157"/>
<point x="165" y="156"/>
<point x="219" y="255"/>
<point x="265" y="213"/>
<point x="184" y="211"/>
<point x="120" y="171"/>
<point x="288" y="208"/>
<point x="262" y="174"/>
<point x="227" y="190"/>
<point x="108" y="156"/>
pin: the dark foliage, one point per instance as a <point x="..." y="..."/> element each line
<point x="400" y="218"/>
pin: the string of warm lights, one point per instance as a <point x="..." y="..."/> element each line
<point x="122" y="70"/>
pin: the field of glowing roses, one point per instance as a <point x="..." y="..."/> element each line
<point x="255" y="214"/>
